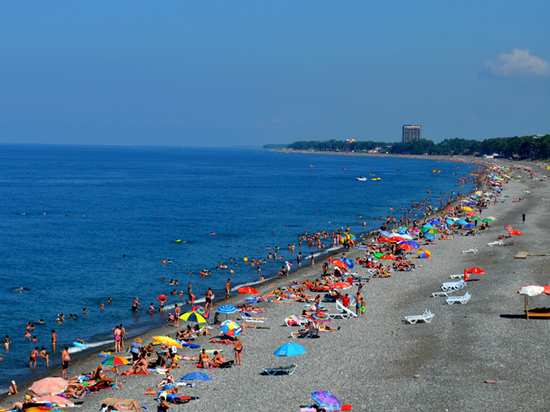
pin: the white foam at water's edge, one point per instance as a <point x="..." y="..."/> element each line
<point x="89" y="345"/>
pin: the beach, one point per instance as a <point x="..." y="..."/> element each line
<point x="379" y="362"/>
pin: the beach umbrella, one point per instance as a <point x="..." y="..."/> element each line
<point x="397" y="239"/>
<point x="196" y="376"/>
<point x="431" y="231"/>
<point x="469" y="226"/>
<point x="248" y="290"/>
<point x="385" y="233"/>
<point x="340" y="285"/>
<point x="515" y="233"/>
<point x="192" y="317"/>
<point x="476" y="271"/>
<point x="424" y="254"/>
<point x="460" y="223"/>
<point x="412" y="243"/>
<point x="387" y="257"/>
<point x="288" y="350"/>
<point x="533" y="290"/>
<point x="326" y="400"/>
<point x="472" y="214"/>
<point x="320" y="317"/>
<point x="347" y="262"/>
<point x="49" y="386"/>
<point x="405" y="246"/>
<point x="231" y="328"/>
<point x="54" y="399"/>
<point x="201" y="311"/>
<point x="227" y="309"/>
<point x="478" y="218"/>
<point x="492" y="218"/>
<point x="509" y="228"/>
<point x="340" y="264"/>
<point x="384" y="239"/>
<point x="402" y="230"/>
<point x="435" y="222"/>
<point x="116" y="361"/>
<point x="449" y="221"/>
<point x="429" y="236"/>
<point x="168" y="341"/>
<point x="426" y="227"/>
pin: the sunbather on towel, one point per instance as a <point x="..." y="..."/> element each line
<point x="129" y="407"/>
<point x="139" y="366"/>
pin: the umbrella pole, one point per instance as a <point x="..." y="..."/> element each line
<point x="526" y="300"/>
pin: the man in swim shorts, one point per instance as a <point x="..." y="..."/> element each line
<point x="34" y="353"/>
<point x="227" y="288"/>
<point x="65" y="358"/>
<point x="135" y="305"/>
<point x="209" y="294"/>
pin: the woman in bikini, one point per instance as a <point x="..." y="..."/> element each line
<point x="238" y="350"/>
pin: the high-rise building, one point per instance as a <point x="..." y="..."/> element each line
<point x="411" y="133"/>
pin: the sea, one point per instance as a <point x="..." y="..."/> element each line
<point x="82" y="224"/>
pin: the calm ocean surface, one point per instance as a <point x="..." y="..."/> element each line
<point x="69" y="214"/>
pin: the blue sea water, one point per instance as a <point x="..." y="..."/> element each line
<point x="82" y="224"/>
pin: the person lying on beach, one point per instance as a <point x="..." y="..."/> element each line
<point x="247" y="308"/>
<point x="133" y="405"/>
<point x="325" y="328"/>
<point x="201" y="330"/>
<point x="168" y="380"/>
<point x="503" y="237"/>
<point x="96" y="374"/>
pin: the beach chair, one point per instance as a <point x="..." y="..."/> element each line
<point x="427" y="317"/>
<point x="457" y="276"/>
<point x="344" y="313"/>
<point x="497" y="243"/>
<point x="453" y="285"/>
<point x="283" y="370"/>
<point x="459" y="299"/>
<point x="442" y="293"/>
<point x="474" y="251"/>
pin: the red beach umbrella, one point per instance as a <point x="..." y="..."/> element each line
<point x="476" y="271"/>
<point x="248" y="290"/>
<point x="398" y="239"/>
<point x="472" y="214"/>
<point x="385" y="239"/>
<point x="515" y="233"/>
<point x="340" y="264"/>
<point x="387" y="257"/>
<point x="405" y="246"/>
<point x="340" y="285"/>
<point x="49" y="386"/>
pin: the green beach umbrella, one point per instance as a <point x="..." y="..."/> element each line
<point x="476" y="218"/>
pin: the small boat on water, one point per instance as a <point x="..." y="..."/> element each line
<point x="361" y="179"/>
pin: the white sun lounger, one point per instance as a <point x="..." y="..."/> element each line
<point x="497" y="243"/>
<point x="441" y="293"/>
<point x="474" y="251"/>
<point x="427" y="317"/>
<point x="453" y="285"/>
<point x="283" y="370"/>
<point x="459" y="299"/>
<point x="457" y="276"/>
<point x="344" y="313"/>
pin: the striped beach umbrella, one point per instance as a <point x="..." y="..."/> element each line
<point x="201" y="311"/>
<point x="424" y="254"/>
<point x="227" y="309"/>
<point x="193" y="317"/>
<point x="320" y="317"/>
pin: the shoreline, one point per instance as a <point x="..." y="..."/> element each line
<point x="82" y="357"/>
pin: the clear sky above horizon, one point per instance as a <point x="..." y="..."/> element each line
<point x="250" y="73"/>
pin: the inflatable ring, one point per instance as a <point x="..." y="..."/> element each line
<point x="162" y="298"/>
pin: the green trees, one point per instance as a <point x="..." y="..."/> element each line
<point x="533" y="147"/>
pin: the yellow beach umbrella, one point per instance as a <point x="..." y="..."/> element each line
<point x="467" y="209"/>
<point x="193" y="317"/>
<point x="166" y="340"/>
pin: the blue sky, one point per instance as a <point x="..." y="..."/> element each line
<point x="248" y="73"/>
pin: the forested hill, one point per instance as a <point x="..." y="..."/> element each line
<point x="532" y="147"/>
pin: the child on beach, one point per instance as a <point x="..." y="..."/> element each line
<point x="362" y="307"/>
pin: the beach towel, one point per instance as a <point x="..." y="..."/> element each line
<point x="114" y="401"/>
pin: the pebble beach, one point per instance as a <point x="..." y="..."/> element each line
<point x="483" y="355"/>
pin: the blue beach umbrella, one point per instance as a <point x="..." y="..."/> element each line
<point x="412" y="243"/>
<point x="450" y="221"/>
<point x="347" y="262"/>
<point x="429" y="236"/>
<point x="385" y="233"/>
<point x="288" y="350"/>
<point x="227" y="309"/>
<point x="196" y="376"/>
